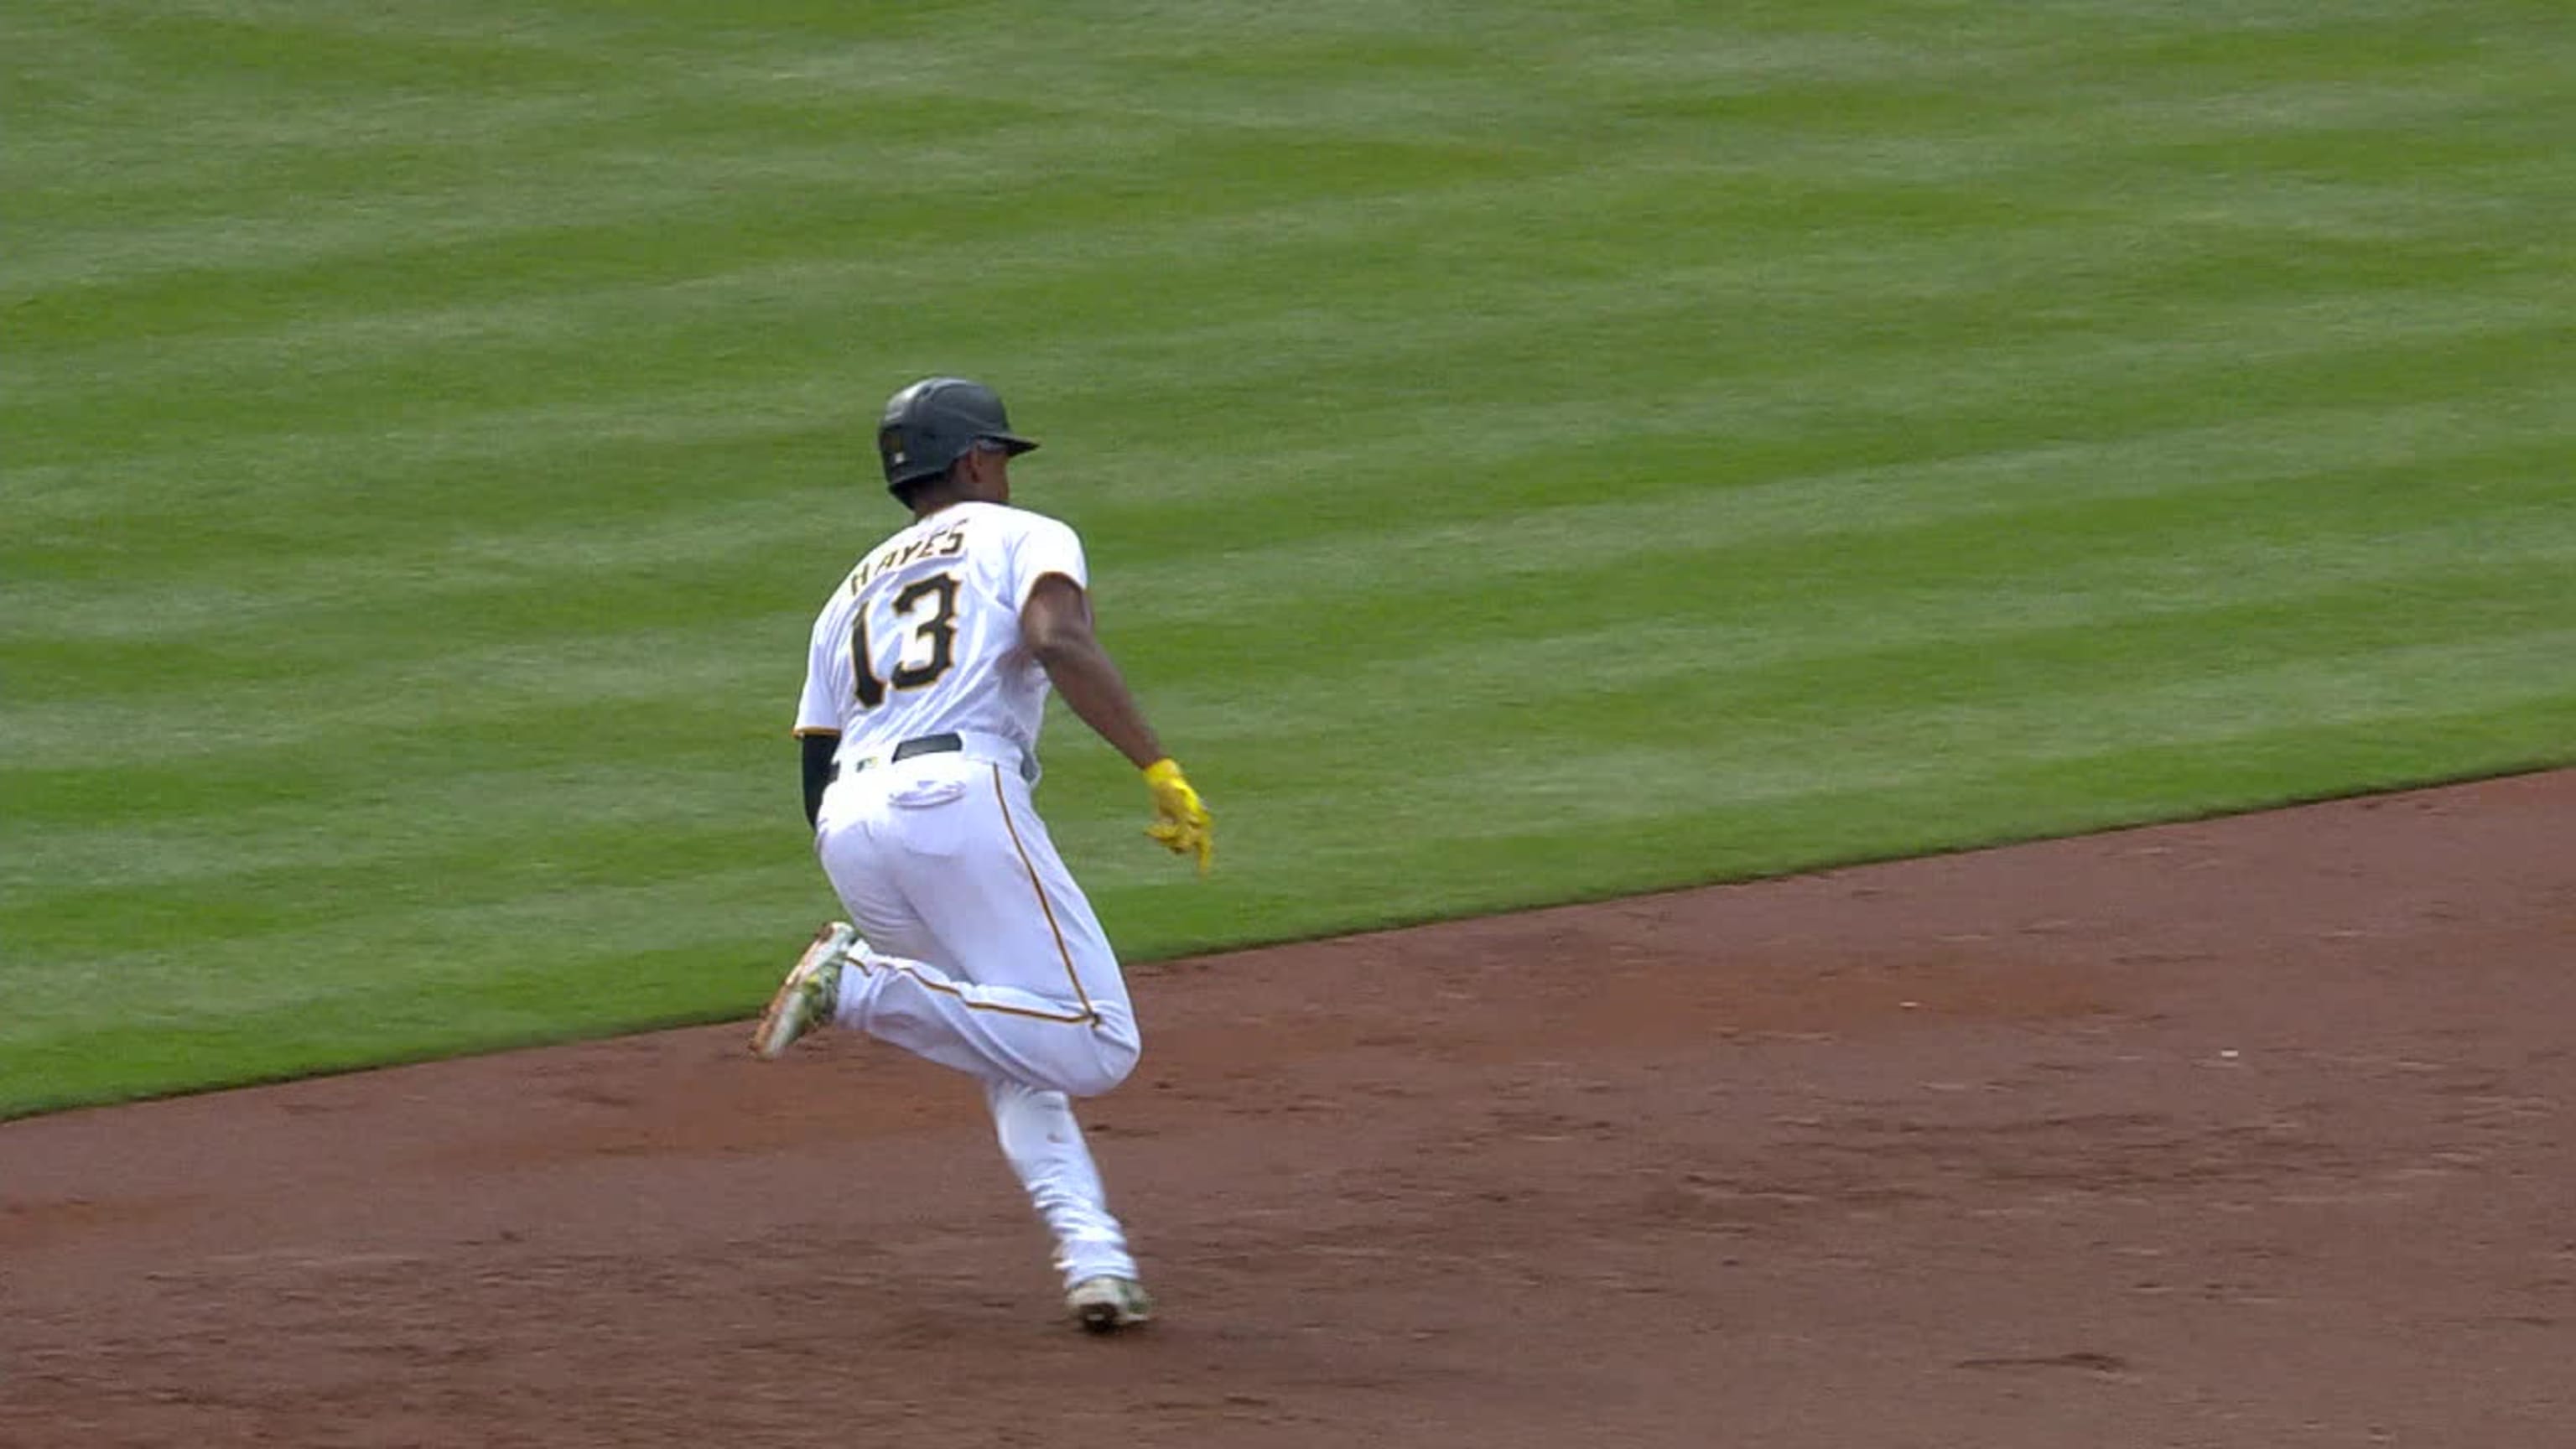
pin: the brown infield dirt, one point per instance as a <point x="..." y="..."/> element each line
<point x="2243" y="1132"/>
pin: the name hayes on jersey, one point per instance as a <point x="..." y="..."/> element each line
<point x="949" y="542"/>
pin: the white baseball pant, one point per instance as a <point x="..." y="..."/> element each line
<point x="983" y="955"/>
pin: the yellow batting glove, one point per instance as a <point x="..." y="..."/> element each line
<point x="1181" y="823"/>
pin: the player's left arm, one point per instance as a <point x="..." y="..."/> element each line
<point x="1056" y="624"/>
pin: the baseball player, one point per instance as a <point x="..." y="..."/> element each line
<point x="968" y="943"/>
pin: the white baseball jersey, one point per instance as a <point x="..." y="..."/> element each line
<point x="923" y="637"/>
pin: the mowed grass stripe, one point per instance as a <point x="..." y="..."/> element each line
<point x="1778" y="784"/>
<point x="1747" y="659"/>
<point x="1997" y="493"/>
<point x="2139" y="611"/>
<point x="870" y="192"/>
<point x="1778" y="567"/>
<point x="1828" y="648"/>
<point x="472" y="684"/>
<point x="1825" y="293"/>
<point x="227" y="1009"/>
<point x="548" y="865"/>
<point x="413" y="824"/>
<point x="654" y="893"/>
<point x="1792" y="813"/>
<point x="841" y="158"/>
<point x="1763" y="710"/>
<point x="1748" y="685"/>
<point x="1871" y="605"/>
<point x="2281" y="348"/>
<point x="2021" y="255"/>
<point x="1773" y="698"/>
<point x="523" y="589"/>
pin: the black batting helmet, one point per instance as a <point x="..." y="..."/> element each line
<point x="932" y="423"/>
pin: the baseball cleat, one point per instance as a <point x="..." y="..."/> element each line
<point x="1106" y="1305"/>
<point x="805" y="999"/>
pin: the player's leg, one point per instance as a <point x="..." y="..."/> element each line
<point x="1080" y="1047"/>
<point x="853" y="857"/>
<point x="1046" y="1149"/>
<point x="1029" y="990"/>
<point x="983" y="954"/>
<point x="1038" y="1130"/>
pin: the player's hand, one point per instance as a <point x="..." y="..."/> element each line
<point x="1181" y="823"/>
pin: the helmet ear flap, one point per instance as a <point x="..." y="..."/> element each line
<point x="911" y="453"/>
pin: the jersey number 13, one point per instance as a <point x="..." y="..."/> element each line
<point x="935" y="596"/>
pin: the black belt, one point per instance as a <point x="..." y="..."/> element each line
<point x="918" y="745"/>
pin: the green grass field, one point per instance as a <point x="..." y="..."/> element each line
<point x="1528" y="452"/>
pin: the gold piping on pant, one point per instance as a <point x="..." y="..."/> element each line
<point x="973" y="1005"/>
<point x="1038" y="886"/>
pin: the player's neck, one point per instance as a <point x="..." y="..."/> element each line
<point x="949" y="496"/>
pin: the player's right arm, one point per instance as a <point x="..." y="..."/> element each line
<point x="814" y="754"/>
<point x="1055" y="624"/>
<point x="818" y="711"/>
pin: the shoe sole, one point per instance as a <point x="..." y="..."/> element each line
<point x="1110" y="1318"/>
<point x="785" y="1019"/>
<point x="1112" y="1313"/>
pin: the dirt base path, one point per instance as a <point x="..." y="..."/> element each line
<point x="2253" y="1132"/>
